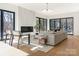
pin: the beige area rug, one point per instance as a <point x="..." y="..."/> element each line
<point x="35" y="46"/>
<point x="43" y="48"/>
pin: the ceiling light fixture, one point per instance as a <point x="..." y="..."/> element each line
<point x="47" y="11"/>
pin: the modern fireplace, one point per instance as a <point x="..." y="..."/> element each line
<point x="26" y="29"/>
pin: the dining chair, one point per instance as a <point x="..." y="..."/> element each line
<point x="17" y="37"/>
<point x="9" y="37"/>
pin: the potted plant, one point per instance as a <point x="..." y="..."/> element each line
<point x="36" y="27"/>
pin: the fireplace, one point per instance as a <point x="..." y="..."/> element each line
<point x="26" y="29"/>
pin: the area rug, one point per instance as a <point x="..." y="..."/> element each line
<point x="43" y="48"/>
<point x="38" y="47"/>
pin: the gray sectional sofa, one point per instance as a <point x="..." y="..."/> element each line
<point x="54" y="38"/>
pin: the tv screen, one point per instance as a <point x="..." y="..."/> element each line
<point x="26" y="29"/>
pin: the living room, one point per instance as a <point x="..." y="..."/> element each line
<point x="50" y="35"/>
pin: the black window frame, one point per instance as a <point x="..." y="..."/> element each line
<point x="2" y="23"/>
<point x="39" y="18"/>
<point x="60" y="23"/>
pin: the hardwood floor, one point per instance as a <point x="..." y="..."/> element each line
<point x="68" y="47"/>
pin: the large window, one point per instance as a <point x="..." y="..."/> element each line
<point x="62" y="23"/>
<point x="54" y="24"/>
<point x="42" y="24"/>
<point x="7" y="22"/>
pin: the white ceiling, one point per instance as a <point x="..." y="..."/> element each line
<point x="57" y="8"/>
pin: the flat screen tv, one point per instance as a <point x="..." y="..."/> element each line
<point x="26" y="29"/>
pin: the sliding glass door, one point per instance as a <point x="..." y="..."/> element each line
<point x="7" y="22"/>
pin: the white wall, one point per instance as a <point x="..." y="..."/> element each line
<point x="23" y="17"/>
<point x="26" y="17"/>
<point x="40" y="15"/>
<point x="76" y="20"/>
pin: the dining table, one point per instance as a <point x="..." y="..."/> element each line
<point x="20" y="37"/>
